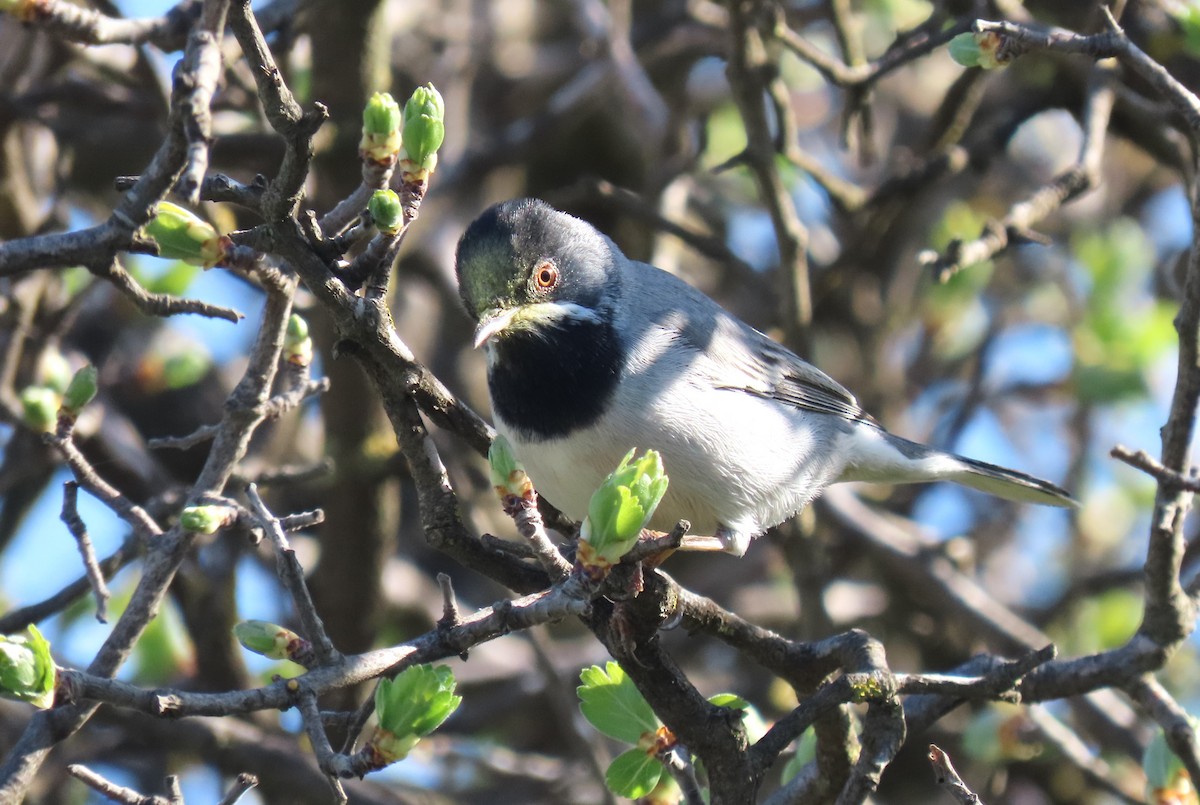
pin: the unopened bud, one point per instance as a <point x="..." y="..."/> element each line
<point x="206" y="519"/>
<point x="507" y="473"/>
<point x="270" y="640"/>
<point x="381" y="128"/>
<point x="386" y="211"/>
<point x="183" y="235"/>
<point x="297" y="346"/>
<point x="424" y="130"/>
<point x="39" y="408"/>
<point x="80" y="391"/>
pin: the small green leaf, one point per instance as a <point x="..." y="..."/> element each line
<point x="27" y="671"/>
<point x="633" y="774"/>
<point x="612" y="704"/>
<point x="752" y="720"/>
<point x="410" y="706"/>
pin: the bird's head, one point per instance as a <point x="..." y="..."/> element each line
<point x="524" y="266"/>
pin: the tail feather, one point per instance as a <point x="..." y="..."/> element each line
<point x="1010" y="484"/>
<point x="880" y="456"/>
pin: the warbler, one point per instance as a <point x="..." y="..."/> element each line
<point x="590" y="354"/>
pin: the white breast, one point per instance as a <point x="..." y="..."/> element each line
<point x="734" y="459"/>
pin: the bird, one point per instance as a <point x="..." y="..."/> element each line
<point x="590" y="353"/>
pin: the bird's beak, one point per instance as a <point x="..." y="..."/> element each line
<point x="492" y="322"/>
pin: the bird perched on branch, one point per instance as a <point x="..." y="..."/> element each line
<point x="591" y="354"/>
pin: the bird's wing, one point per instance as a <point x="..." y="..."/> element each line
<point x="774" y="372"/>
<point x="730" y="353"/>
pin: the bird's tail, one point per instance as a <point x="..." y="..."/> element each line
<point x="916" y="463"/>
<point x="1010" y="484"/>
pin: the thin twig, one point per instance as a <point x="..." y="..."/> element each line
<point x="946" y="777"/>
<point x="314" y="727"/>
<point x="108" y="788"/>
<point x="70" y="516"/>
<point x="1148" y="464"/>
<point x="241" y="784"/>
<point x="292" y="576"/>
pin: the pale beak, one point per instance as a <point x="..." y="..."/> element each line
<point x="492" y="322"/>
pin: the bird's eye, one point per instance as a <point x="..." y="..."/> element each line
<point x="546" y="276"/>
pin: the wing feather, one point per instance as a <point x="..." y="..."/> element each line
<point x="730" y="353"/>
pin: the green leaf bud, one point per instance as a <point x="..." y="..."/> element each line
<point x="39" y="408"/>
<point x="381" y="128"/>
<point x="424" y="129"/>
<point x="965" y="50"/>
<point x="297" y="328"/>
<point x="268" y="639"/>
<point x="386" y="211"/>
<point x="979" y="50"/>
<point x="297" y="346"/>
<point x="410" y="706"/>
<point x="27" y="671"/>
<point x="206" y="519"/>
<point x="507" y="473"/>
<point x="183" y="235"/>
<point x="80" y="391"/>
<point x="621" y="508"/>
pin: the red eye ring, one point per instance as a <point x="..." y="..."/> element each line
<point x="545" y="276"/>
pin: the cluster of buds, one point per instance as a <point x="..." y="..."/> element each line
<point x="207" y="519"/>
<point x="27" y="671"/>
<point x="619" y="510"/>
<point x="983" y="50"/>
<point x="43" y="405"/>
<point x="274" y="642"/>
<point x="297" y="346"/>
<point x="183" y="235"/>
<point x="408" y="708"/>
<point x="412" y="137"/>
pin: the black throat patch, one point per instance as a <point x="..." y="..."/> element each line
<point x="558" y="380"/>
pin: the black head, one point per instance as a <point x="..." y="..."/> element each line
<point x="528" y="263"/>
